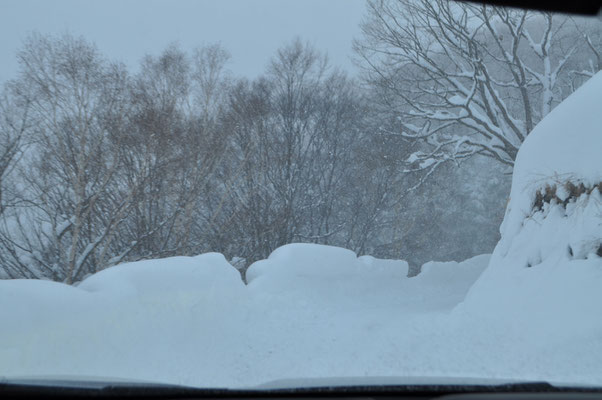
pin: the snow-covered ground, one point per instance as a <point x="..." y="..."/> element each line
<point x="531" y="311"/>
<point x="308" y="311"/>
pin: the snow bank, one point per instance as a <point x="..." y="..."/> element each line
<point x="311" y="271"/>
<point x="543" y="285"/>
<point x="564" y="146"/>
<point x="291" y="262"/>
<point x="207" y="272"/>
<point x="308" y="311"/>
<point x="445" y="274"/>
<point x="562" y="234"/>
<point x="538" y="306"/>
<point x="154" y="320"/>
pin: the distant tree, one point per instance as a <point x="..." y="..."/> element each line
<point x="175" y="140"/>
<point x="296" y="131"/>
<point x="115" y="166"/>
<point x="100" y="167"/>
<point x="68" y="210"/>
<point x="14" y="129"/>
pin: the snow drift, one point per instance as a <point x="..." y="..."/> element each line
<point x="325" y="275"/>
<point x="547" y="257"/>
<point x="308" y="311"/>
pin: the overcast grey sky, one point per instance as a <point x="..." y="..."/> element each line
<point x="127" y="29"/>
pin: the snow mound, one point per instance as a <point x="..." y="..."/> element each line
<point x="564" y="147"/>
<point x="208" y="271"/>
<point x="135" y="320"/>
<point x="327" y="275"/>
<point x="555" y="209"/>
<point x="303" y="260"/>
<point x="542" y="285"/>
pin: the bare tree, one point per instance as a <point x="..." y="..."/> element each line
<point x="295" y="132"/>
<point x="175" y="141"/>
<point x="14" y="128"/>
<point x="75" y="99"/>
<point x="465" y="79"/>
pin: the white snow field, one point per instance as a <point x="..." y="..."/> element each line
<point x="308" y="311"/>
<point x="531" y="311"/>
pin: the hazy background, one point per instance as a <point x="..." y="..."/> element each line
<point x="250" y="30"/>
<point x="174" y="156"/>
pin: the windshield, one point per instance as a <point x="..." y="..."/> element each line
<point x="231" y="193"/>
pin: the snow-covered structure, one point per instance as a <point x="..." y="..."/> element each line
<point x="547" y="266"/>
<point x="559" y="162"/>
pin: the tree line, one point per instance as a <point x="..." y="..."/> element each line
<point x="100" y="166"/>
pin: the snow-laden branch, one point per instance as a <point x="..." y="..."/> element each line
<point x="453" y="71"/>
